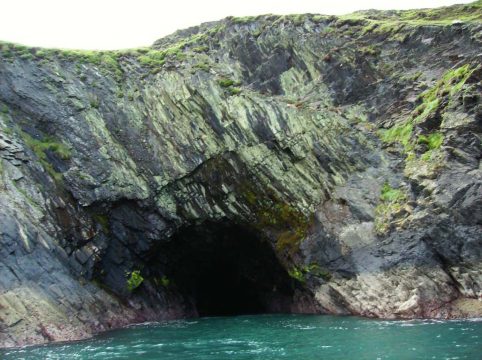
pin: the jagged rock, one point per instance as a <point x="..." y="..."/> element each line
<point x="283" y="163"/>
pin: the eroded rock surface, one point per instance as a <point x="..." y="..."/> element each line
<point x="348" y="148"/>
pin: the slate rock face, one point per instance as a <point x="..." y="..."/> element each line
<point x="317" y="164"/>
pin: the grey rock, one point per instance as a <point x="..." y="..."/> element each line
<point x="270" y="133"/>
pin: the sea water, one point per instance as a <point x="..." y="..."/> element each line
<point x="301" y="337"/>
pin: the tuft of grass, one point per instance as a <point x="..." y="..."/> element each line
<point x="134" y="280"/>
<point x="47" y="144"/>
<point x="301" y="273"/>
<point x="297" y="274"/>
<point x="399" y="133"/>
<point x="230" y="85"/>
<point x="41" y="147"/>
<point x="202" y="66"/>
<point x="437" y="16"/>
<point x="369" y="51"/>
<point x="431" y="101"/>
<point x="94" y="101"/>
<point x="433" y="141"/>
<point x="243" y="20"/>
<point x="226" y="82"/>
<point x="152" y="58"/>
<point x="200" y="49"/>
<point x="391" y="203"/>
<point x="390" y="194"/>
<point x="234" y="90"/>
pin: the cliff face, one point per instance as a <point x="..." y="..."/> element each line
<point x="296" y="164"/>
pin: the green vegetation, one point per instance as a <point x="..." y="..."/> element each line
<point x="301" y="273"/>
<point x="369" y="51"/>
<point x="399" y="133"/>
<point x="230" y="85"/>
<point x="440" y="16"/>
<point x="94" y="101"/>
<point x="103" y="221"/>
<point x="389" y="194"/>
<point x="243" y="19"/>
<point x="318" y="18"/>
<point x="297" y="274"/>
<point x="156" y="58"/>
<point x="41" y="147"/>
<point x="288" y="223"/>
<point x="433" y="141"/>
<point x="398" y="25"/>
<point x="202" y="66"/>
<point x="234" y="90"/>
<point x="391" y="203"/>
<point x="297" y="19"/>
<point x="165" y="281"/>
<point x="153" y="58"/>
<point x="444" y="15"/>
<point x="27" y="196"/>
<point x="107" y="61"/>
<point x="134" y="280"/>
<point x="292" y="225"/>
<point x="449" y="85"/>
<point x="226" y="82"/>
<point x="200" y="49"/>
<point x="47" y="144"/>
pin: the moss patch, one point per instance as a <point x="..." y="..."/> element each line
<point x="399" y="133"/>
<point x="230" y="85"/>
<point x="289" y="224"/>
<point x="134" y="280"/>
<point x="391" y="204"/>
<point x="433" y="141"/>
<point x="301" y="273"/>
<point x="41" y="147"/>
<point x="431" y="101"/>
<point x="103" y="221"/>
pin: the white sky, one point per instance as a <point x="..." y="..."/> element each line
<point x="117" y="24"/>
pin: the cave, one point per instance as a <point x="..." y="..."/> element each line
<point x="223" y="269"/>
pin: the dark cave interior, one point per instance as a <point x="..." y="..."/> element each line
<point x="225" y="269"/>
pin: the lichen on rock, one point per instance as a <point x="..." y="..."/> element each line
<point x="341" y="153"/>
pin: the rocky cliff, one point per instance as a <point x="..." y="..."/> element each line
<point x="300" y="163"/>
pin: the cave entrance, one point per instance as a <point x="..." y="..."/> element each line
<point x="225" y="269"/>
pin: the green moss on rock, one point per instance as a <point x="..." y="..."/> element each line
<point x="134" y="280"/>
<point x="392" y="203"/>
<point x="41" y="147"/>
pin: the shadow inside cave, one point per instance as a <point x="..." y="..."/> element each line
<point x="225" y="269"/>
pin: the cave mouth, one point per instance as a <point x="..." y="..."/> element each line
<point x="225" y="269"/>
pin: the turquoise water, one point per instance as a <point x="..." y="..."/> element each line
<point x="301" y="337"/>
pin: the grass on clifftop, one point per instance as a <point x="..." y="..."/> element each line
<point x="375" y="20"/>
<point x="442" y="15"/>
<point x="110" y="60"/>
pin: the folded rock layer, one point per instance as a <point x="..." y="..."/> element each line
<point x="304" y="163"/>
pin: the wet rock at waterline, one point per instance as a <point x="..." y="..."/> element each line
<point x="307" y="164"/>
